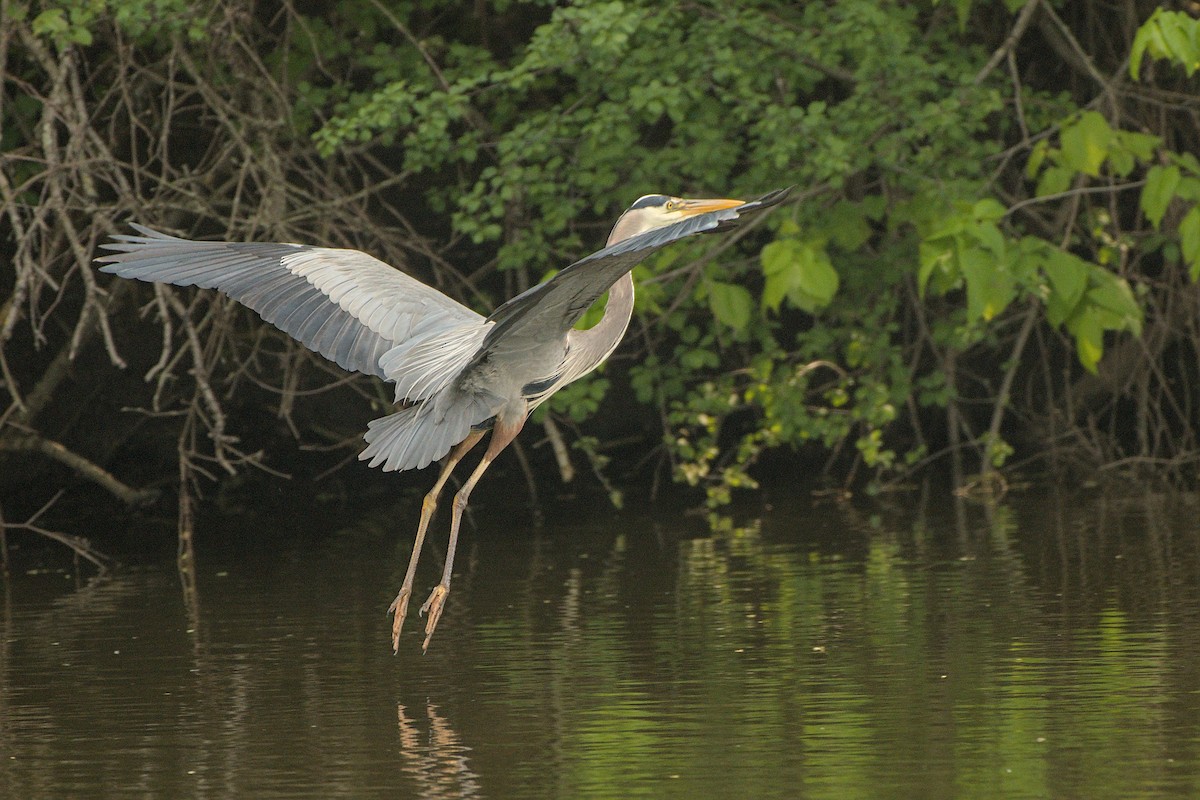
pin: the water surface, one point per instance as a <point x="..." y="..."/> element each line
<point x="1046" y="647"/>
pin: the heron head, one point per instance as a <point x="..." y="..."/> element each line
<point x="658" y="210"/>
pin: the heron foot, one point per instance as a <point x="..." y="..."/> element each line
<point x="434" y="606"/>
<point x="398" y="609"/>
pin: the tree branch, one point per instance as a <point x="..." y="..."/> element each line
<point x="32" y="443"/>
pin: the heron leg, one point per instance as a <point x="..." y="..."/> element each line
<point x="399" y="606"/>
<point x="502" y="434"/>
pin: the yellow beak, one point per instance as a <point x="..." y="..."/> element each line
<point x="693" y="207"/>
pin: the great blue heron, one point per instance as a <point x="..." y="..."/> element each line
<point x="459" y="374"/>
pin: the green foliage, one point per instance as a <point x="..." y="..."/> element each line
<point x="799" y="271"/>
<point x="730" y="304"/>
<point x="1161" y="183"/>
<point x="604" y="101"/>
<point x="578" y="400"/>
<point x="949" y="210"/>
<point x="1177" y="182"/>
<point x="72" y="22"/>
<point x="971" y="250"/>
<point x="1089" y="145"/>
<point x="1167" y="35"/>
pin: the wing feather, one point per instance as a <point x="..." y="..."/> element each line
<point x="344" y="304"/>
<point x="552" y="308"/>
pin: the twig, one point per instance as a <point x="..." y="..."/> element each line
<point x="566" y="470"/>
<point x="1014" y="36"/>
<point x="1073" y="192"/>
<point x="79" y="545"/>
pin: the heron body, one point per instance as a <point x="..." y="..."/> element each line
<point x="458" y="374"/>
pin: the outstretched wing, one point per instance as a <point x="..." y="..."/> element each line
<point x="344" y="304"/>
<point x="552" y="308"/>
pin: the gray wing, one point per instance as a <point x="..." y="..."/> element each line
<point x="552" y="308"/>
<point x="344" y="304"/>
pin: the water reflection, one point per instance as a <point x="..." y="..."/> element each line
<point x="438" y="761"/>
<point x="1047" y="647"/>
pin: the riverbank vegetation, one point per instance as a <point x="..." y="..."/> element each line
<point x="989" y="262"/>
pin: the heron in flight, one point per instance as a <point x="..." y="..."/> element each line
<point x="458" y="375"/>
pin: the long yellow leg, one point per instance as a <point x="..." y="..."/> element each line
<point x="399" y="606"/>
<point x="502" y="434"/>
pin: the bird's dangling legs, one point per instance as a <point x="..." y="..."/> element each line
<point x="399" y="606"/>
<point x="502" y="434"/>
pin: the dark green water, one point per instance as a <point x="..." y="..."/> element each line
<point x="1048" y="647"/>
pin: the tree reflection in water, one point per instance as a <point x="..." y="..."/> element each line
<point x="1045" y="646"/>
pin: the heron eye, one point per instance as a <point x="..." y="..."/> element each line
<point x="672" y="205"/>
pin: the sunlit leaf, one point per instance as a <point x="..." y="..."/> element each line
<point x="799" y="271"/>
<point x="1086" y="142"/>
<point x="990" y="237"/>
<point x="1068" y="277"/>
<point x="1113" y="301"/>
<point x="1158" y="192"/>
<point x="1170" y="35"/>
<point x="779" y="262"/>
<point x="990" y="286"/>
<point x="1036" y="157"/>
<point x="1148" y="38"/>
<point x="1141" y="145"/>
<point x="818" y="278"/>
<point x="1089" y="338"/>
<point x="1054" y="180"/>
<point x="730" y="304"/>
<point x="988" y="209"/>
<point x="1188" y="188"/>
<point x="931" y="256"/>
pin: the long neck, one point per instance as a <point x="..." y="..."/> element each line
<point x="601" y="339"/>
<point x="598" y="341"/>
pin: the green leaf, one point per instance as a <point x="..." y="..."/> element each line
<point x="1120" y="161"/>
<point x="990" y="286"/>
<point x="1036" y="157"/>
<point x="1112" y="301"/>
<point x="1141" y="145"/>
<point x="932" y="255"/>
<point x="818" y="280"/>
<point x="1158" y="192"/>
<point x="1089" y="338"/>
<point x="1187" y="161"/>
<point x="990" y="237"/>
<point x="1054" y="180"/>
<point x="799" y="271"/>
<point x="1170" y="35"/>
<point x="730" y="304"/>
<point x="1179" y="40"/>
<point x="1148" y="37"/>
<point x="1188" y="189"/>
<point x="779" y="267"/>
<point x="988" y="209"/>
<point x="49" y="23"/>
<point x="1068" y="278"/>
<point x="1086" y="142"/>
<point x="1189" y="241"/>
<point x="778" y="256"/>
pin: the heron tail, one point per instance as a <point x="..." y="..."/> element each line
<point x="416" y="436"/>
